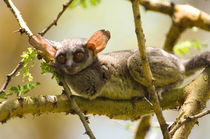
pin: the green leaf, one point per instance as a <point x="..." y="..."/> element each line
<point x="28" y="62"/>
<point x="128" y="126"/>
<point x="23" y="89"/>
<point x="3" y="95"/>
<point x="46" y="68"/>
<point x="94" y="2"/>
<point x="84" y="3"/>
<point x="14" y="89"/>
<point x="74" y="3"/>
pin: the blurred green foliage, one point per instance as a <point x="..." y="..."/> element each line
<point x="184" y="47"/>
<point x="84" y="3"/>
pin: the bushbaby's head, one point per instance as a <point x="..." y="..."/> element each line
<point x="74" y="55"/>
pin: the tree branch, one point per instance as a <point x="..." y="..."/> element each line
<point x="198" y="94"/>
<point x="143" y="127"/>
<point x="11" y="75"/>
<point x="54" y="22"/>
<point x="117" y="109"/>
<point x="49" y="52"/>
<point x="188" y="119"/>
<point x="182" y="15"/>
<point x="158" y="6"/>
<point x="146" y="69"/>
<point x="24" y="29"/>
<point x="172" y="37"/>
<point x="76" y="108"/>
<point x="16" y="13"/>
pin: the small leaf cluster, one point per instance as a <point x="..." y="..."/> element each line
<point x="25" y="88"/>
<point x="28" y="62"/>
<point x="84" y="3"/>
<point x="46" y="68"/>
<point x="184" y="47"/>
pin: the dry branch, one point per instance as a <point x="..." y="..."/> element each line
<point x="76" y="108"/>
<point x="54" y="22"/>
<point x="16" y="13"/>
<point x="11" y="75"/>
<point x="143" y="127"/>
<point x="183" y="16"/>
<point x="24" y="29"/>
<point x="188" y="119"/>
<point x="49" y="52"/>
<point x="116" y="109"/>
<point x="198" y="94"/>
<point x="146" y="69"/>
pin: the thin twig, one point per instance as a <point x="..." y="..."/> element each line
<point x="187" y="119"/>
<point x="76" y="108"/>
<point x="54" y="22"/>
<point x="16" y="13"/>
<point x="24" y="29"/>
<point x="37" y="42"/>
<point x="11" y="75"/>
<point x="146" y="69"/>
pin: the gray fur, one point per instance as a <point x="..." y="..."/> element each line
<point x="119" y="75"/>
<point x="69" y="47"/>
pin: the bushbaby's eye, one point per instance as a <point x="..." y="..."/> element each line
<point x="61" y="59"/>
<point x="79" y="56"/>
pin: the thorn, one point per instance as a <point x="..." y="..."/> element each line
<point x="87" y="119"/>
<point x="21" y="30"/>
<point x="72" y="111"/>
<point x="64" y="6"/>
<point x="85" y="112"/>
<point x="197" y="123"/>
<point x="60" y="83"/>
<point x="3" y="121"/>
<point x="172" y="7"/>
<point x="63" y="92"/>
<point x="85" y="133"/>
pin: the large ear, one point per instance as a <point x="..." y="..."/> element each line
<point x="98" y="41"/>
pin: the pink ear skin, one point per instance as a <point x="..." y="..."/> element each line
<point x="98" y="41"/>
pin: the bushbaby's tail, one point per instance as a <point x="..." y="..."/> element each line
<point x="197" y="62"/>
